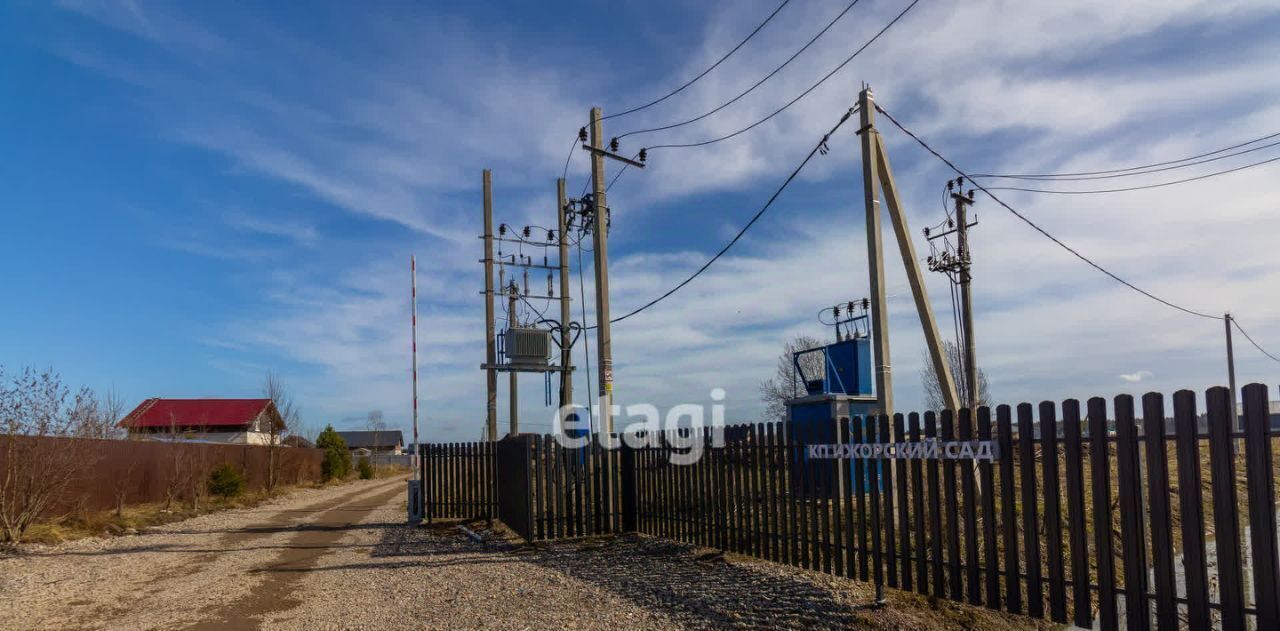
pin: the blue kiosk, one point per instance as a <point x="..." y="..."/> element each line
<point x="837" y="385"/>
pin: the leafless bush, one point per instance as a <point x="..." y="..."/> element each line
<point x="35" y="405"/>
<point x="786" y="384"/>
<point x="290" y="417"/>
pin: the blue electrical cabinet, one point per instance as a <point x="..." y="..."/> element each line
<point x="842" y="390"/>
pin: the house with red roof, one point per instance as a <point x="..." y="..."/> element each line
<point x="235" y="421"/>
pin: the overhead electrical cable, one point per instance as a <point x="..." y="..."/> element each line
<point x="1132" y="188"/>
<point x="682" y="87"/>
<point x="802" y="94"/>
<point x="1088" y="174"/>
<point x="820" y="146"/>
<point x="782" y="109"/>
<point x="704" y="72"/>
<point x="586" y="348"/>
<point x="757" y="84"/>
<point x="1255" y="344"/>
<point x="1037" y="228"/>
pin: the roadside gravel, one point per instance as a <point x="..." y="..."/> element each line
<point x="344" y="558"/>
<point x="166" y="577"/>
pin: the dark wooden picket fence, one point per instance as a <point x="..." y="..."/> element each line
<point x="459" y="480"/>
<point x="1088" y="513"/>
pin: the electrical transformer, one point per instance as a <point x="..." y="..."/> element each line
<point x="527" y="346"/>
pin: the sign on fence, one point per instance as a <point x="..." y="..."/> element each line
<point x="984" y="450"/>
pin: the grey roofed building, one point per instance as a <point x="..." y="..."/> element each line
<point x="389" y="441"/>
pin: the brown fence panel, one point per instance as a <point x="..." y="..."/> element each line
<point x="1226" y="519"/>
<point x="1008" y="510"/>
<point x="1077" y="536"/>
<point x="1154" y="431"/>
<point x="1262" y="506"/>
<point x="145" y="471"/>
<point x="951" y="527"/>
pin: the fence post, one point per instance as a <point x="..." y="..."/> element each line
<point x="1262" y="505"/>
<point x="1219" y="402"/>
<point x="628" y="487"/>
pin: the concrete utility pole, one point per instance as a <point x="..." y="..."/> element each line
<point x="512" y="386"/>
<point x="966" y="298"/>
<point x="566" y="356"/>
<point x="413" y="324"/>
<point x="491" y="350"/>
<point x="600" y="241"/>
<point x="875" y="256"/>
<point x="875" y="168"/>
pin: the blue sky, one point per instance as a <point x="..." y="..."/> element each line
<point x="196" y="193"/>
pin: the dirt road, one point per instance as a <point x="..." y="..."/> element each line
<point x="223" y="570"/>
<point x="343" y="558"/>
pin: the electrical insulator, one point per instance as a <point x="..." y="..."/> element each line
<point x="970" y="194"/>
<point x="551" y="236"/>
<point x="526" y="281"/>
<point x="544" y="260"/>
<point x="950" y="185"/>
<point x="550" y="291"/>
<point x="582" y="134"/>
<point x="613" y="145"/>
<point x="866" y="303"/>
<point x="526" y="232"/>
<point x="959" y="182"/>
<point x="926" y="233"/>
<point x="502" y="229"/>
<point x="835" y="312"/>
<point x="643" y="154"/>
<point x="849" y="308"/>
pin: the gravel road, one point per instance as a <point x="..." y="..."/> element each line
<point x="343" y="558"/>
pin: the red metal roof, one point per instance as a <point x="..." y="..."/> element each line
<point x="188" y="413"/>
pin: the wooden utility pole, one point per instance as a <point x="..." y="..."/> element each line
<point x="491" y="350"/>
<point x="512" y="386"/>
<point x="600" y="241"/>
<point x="566" y="355"/>
<point x="972" y="391"/>
<point x="875" y="168"/>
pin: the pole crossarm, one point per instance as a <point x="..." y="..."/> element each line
<point x="600" y="151"/>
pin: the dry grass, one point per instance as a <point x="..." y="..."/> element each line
<point x="139" y="517"/>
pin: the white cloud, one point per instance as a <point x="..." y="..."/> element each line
<point x="1135" y="377"/>
<point x="400" y="136"/>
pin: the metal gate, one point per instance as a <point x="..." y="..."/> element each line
<point x="514" y="468"/>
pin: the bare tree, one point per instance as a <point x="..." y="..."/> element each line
<point x="375" y="424"/>
<point x="955" y="361"/>
<point x="96" y="417"/>
<point x="290" y="418"/>
<point x="38" y="468"/>
<point x="786" y="383"/>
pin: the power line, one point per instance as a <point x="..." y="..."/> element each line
<point x="751" y="89"/>
<point x="802" y="94"/>
<point x="1132" y="188"/>
<point x="704" y="72"/>
<point x="1037" y="228"/>
<point x="793" y="101"/>
<point x="586" y="348"/>
<point x="1255" y="344"/>
<point x="1086" y="174"/>
<point x="820" y="146"/>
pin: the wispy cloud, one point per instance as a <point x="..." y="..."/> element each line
<point x="392" y="138"/>
<point x="1136" y="377"/>
<point x="299" y="232"/>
